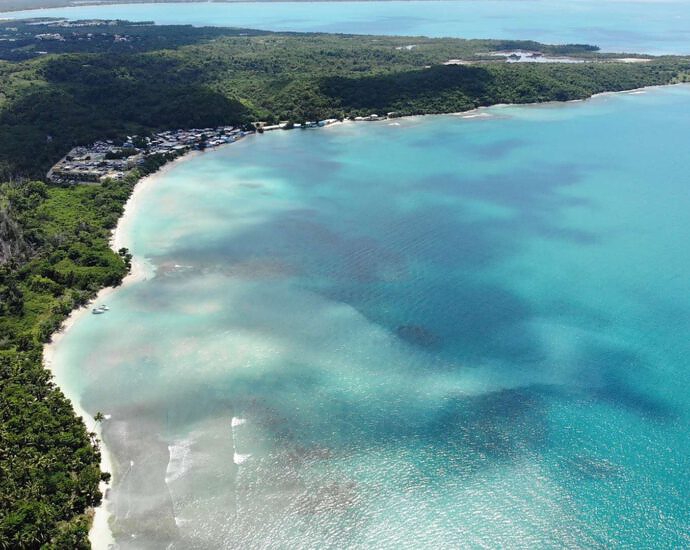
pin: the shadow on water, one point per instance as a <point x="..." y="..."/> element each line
<point x="421" y="271"/>
<point x="449" y="306"/>
<point x="610" y="370"/>
<point x="500" y="425"/>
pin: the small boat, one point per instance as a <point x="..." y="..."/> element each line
<point x="104" y="307"/>
<point x="98" y="310"/>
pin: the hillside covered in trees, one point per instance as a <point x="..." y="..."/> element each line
<point x="138" y="78"/>
<point x="150" y="78"/>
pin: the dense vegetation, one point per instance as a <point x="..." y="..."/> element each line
<point x="52" y="102"/>
<point x="54" y="256"/>
<point x="56" y="259"/>
<point x="54" y="251"/>
<point x="49" y="470"/>
<point x="21" y="40"/>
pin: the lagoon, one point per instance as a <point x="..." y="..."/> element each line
<point x="447" y="331"/>
<point x="644" y="26"/>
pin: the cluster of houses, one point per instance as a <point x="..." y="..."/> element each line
<point x="105" y="160"/>
<point x="79" y="37"/>
<point x="376" y="118"/>
<point x="265" y="127"/>
<point x="49" y="36"/>
<point x="109" y="160"/>
<point x="66" y="23"/>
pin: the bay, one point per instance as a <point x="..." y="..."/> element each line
<point x="448" y="331"/>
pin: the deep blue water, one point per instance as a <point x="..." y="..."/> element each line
<point x="442" y="332"/>
<point x="648" y="26"/>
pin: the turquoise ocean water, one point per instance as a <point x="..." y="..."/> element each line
<point x="649" y="26"/>
<point x="442" y="332"/>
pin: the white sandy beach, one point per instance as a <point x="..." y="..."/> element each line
<point x="100" y="535"/>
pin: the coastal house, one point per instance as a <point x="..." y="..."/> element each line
<point x="105" y="160"/>
<point x="371" y="118"/>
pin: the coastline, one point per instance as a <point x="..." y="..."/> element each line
<point x="480" y="112"/>
<point x="100" y="534"/>
<point x="477" y="111"/>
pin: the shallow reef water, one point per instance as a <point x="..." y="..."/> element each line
<point x="449" y="332"/>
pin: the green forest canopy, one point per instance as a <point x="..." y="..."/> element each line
<point x="181" y="76"/>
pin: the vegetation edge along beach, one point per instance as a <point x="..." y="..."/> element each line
<point x="100" y="535"/>
<point x="55" y="254"/>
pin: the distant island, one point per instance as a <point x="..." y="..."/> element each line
<point x="133" y="96"/>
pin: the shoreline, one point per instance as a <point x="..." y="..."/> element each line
<point x="100" y="534"/>
<point x="477" y="111"/>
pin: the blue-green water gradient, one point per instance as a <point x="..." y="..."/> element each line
<point x="438" y="332"/>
